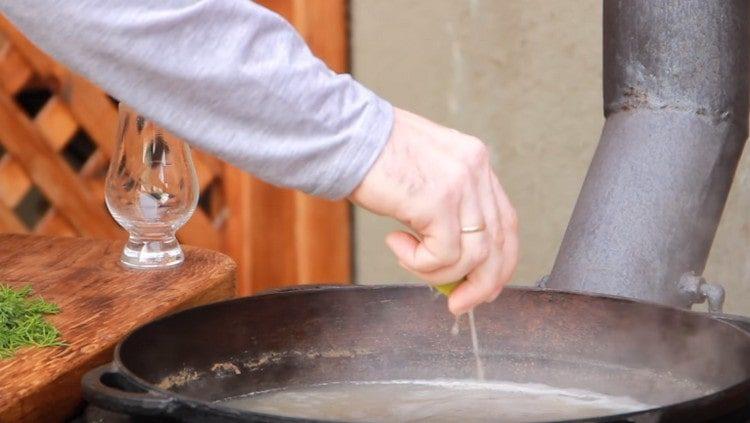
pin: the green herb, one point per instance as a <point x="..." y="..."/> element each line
<point x="22" y="321"/>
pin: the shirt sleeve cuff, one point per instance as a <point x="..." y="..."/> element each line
<point x="362" y="150"/>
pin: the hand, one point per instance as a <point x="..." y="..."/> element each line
<point x="436" y="181"/>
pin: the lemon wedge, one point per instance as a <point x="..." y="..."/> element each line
<point x="447" y="288"/>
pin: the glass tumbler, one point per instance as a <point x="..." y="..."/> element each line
<point x="151" y="191"/>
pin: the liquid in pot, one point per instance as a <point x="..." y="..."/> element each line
<point x="434" y="401"/>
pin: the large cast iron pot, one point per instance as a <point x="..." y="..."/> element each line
<point x="695" y="367"/>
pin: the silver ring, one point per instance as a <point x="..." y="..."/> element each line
<point x="472" y="229"/>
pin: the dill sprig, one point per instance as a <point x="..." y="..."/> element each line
<point x="22" y="321"/>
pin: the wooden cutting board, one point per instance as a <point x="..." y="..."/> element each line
<point x="100" y="302"/>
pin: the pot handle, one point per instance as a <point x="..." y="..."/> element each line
<point x="107" y="388"/>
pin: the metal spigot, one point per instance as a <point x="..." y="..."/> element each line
<point x="696" y="290"/>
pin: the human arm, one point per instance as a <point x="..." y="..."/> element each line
<point x="236" y="80"/>
<point x="228" y="76"/>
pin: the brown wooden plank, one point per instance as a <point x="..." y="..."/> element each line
<point x="199" y="231"/>
<point x="323" y="240"/>
<point x="100" y="302"/>
<point x="217" y="205"/>
<point x="96" y="166"/>
<point x="205" y="174"/>
<point x="92" y="174"/>
<point x="92" y="109"/>
<point x="237" y="229"/>
<point x="272" y="234"/>
<point x="54" y="224"/>
<point x="56" y="123"/>
<point x="323" y="227"/>
<point x="284" y="8"/>
<point x="9" y="222"/>
<point x="43" y="65"/>
<point x="14" y="183"/>
<point x="215" y="165"/>
<point x="259" y="232"/>
<point x="96" y="189"/>
<point x="54" y="178"/>
<point x="14" y="71"/>
<point x="323" y="24"/>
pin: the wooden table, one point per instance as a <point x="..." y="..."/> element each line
<point x="100" y="302"/>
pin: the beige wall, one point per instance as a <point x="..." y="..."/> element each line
<point x="525" y="76"/>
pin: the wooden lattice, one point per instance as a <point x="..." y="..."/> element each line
<point x="55" y="153"/>
<point x="57" y="134"/>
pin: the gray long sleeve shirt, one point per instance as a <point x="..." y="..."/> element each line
<point x="228" y="76"/>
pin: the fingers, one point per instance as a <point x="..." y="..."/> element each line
<point x="470" y="249"/>
<point x="484" y="282"/>
<point x="476" y="289"/>
<point x="439" y="246"/>
<point x="488" y="280"/>
<point x="487" y="259"/>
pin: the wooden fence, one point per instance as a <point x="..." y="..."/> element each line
<point x="57" y="134"/>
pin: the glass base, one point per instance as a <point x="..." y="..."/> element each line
<point x="152" y="253"/>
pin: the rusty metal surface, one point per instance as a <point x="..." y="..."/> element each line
<point x="676" y="102"/>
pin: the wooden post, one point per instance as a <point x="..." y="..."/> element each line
<point x="301" y="239"/>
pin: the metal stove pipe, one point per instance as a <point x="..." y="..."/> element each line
<point x="676" y="107"/>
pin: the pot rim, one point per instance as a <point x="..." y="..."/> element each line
<point x="185" y="400"/>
